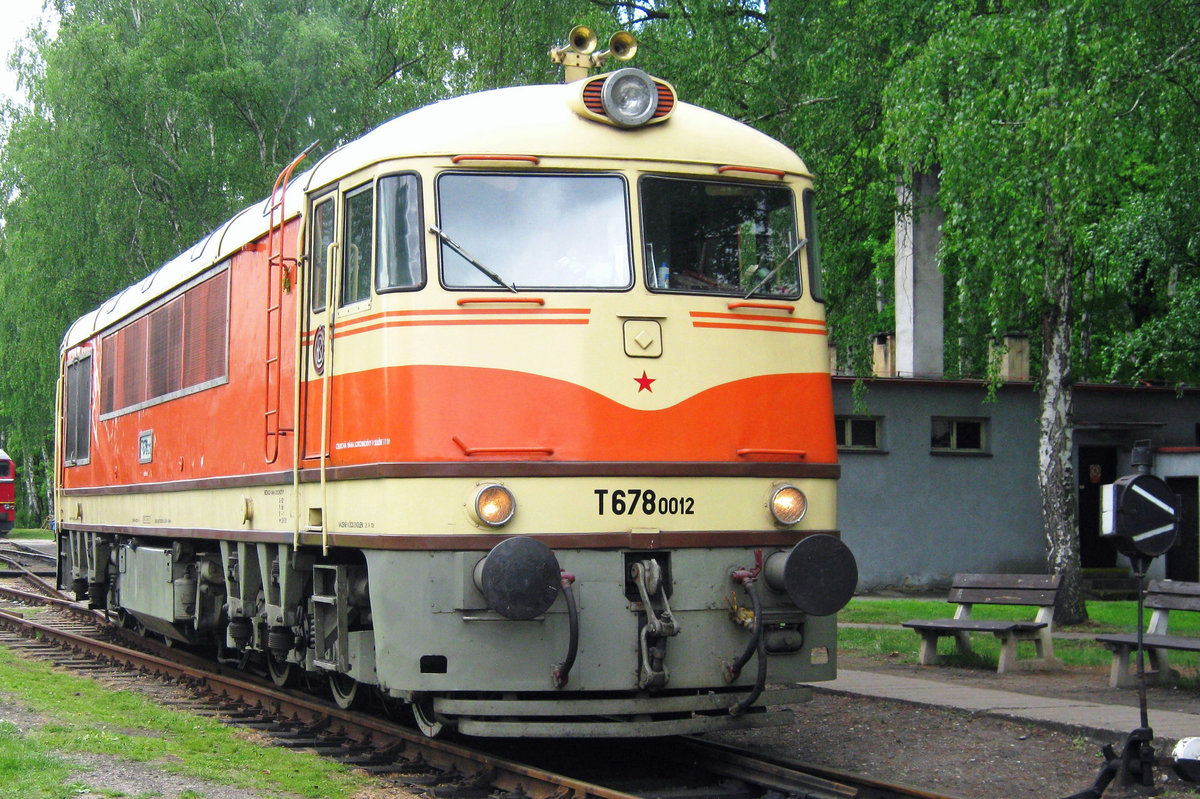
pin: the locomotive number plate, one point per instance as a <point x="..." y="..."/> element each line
<point x="635" y="501"/>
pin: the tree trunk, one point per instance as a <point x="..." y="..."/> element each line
<point x="48" y="474"/>
<point x="1056" y="475"/>
<point x="32" y="500"/>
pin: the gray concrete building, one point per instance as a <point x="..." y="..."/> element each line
<point x="937" y="479"/>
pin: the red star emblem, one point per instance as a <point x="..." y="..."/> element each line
<point x="644" y="382"/>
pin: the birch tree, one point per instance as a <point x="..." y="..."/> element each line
<point x="1040" y="119"/>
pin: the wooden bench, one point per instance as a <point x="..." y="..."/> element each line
<point x="967" y="590"/>
<point x="1162" y="596"/>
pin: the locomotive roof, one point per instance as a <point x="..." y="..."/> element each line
<point x="522" y="120"/>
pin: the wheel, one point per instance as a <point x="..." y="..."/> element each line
<point x="282" y="672"/>
<point x="422" y="710"/>
<point x="344" y="689"/>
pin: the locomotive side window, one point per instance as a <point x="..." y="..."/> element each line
<point x="534" y="232"/>
<point x="77" y="412"/>
<point x="816" y="285"/>
<point x="709" y="237"/>
<point x="178" y="348"/>
<point x="358" y="247"/>
<point x="398" y="234"/>
<point x="322" y="237"/>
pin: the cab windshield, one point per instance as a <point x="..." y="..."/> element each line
<point x="520" y="232"/>
<point x="713" y="237"/>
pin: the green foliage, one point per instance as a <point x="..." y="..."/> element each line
<point x="1059" y="135"/>
<point x="150" y="123"/>
<point x="812" y="75"/>
<point x="1065" y="135"/>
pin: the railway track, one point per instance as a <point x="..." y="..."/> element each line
<point x="72" y="636"/>
<point x="17" y="559"/>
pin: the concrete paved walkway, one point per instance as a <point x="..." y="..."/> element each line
<point x="1089" y="717"/>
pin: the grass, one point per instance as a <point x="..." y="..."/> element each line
<point x="80" y="715"/>
<point x="27" y="769"/>
<point x="901" y="645"/>
<point x="31" y="533"/>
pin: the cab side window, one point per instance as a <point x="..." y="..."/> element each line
<point x="77" y="412"/>
<point x="322" y="238"/>
<point x="358" y="236"/>
<point x="398" y="234"/>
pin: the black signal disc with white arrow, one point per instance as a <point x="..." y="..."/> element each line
<point x="1146" y="520"/>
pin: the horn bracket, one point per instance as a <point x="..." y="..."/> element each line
<point x="578" y="56"/>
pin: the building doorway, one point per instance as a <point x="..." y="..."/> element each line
<point x="1183" y="559"/>
<point x="1097" y="467"/>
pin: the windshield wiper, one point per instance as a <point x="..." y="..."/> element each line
<point x="778" y="266"/>
<point x="466" y="256"/>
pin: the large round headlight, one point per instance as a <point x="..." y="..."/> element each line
<point x="494" y="505"/>
<point x="788" y="504"/>
<point x="629" y="97"/>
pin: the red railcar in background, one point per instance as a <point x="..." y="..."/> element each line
<point x="8" y="493"/>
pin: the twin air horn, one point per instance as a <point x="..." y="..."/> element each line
<point x="579" y="55"/>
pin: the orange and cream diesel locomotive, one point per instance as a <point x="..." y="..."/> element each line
<point x="516" y="409"/>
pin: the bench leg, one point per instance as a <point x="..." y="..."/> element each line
<point x="1008" y="653"/>
<point x="1118" y="676"/>
<point x="1161" y="664"/>
<point x="1044" y="645"/>
<point x="928" y="655"/>
<point x="962" y="640"/>
<point x="1124" y="670"/>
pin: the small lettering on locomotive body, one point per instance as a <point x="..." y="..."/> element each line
<point x="646" y="502"/>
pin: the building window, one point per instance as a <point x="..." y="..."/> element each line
<point x="958" y="435"/>
<point x="857" y="432"/>
<point x="77" y="412"/>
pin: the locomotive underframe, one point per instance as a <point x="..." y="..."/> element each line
<point x="421" y="629"/>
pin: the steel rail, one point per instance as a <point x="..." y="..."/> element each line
<point x="788" y="775"/>
<point x="32" y="552"/>
<point x="26" y="573"/>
